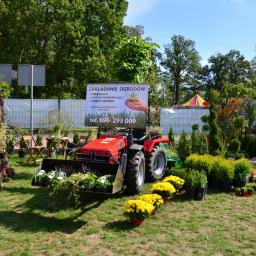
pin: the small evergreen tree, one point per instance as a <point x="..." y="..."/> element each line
<point x="171" y="137"/>
<point x="203" y="143"/>
<point x="215" y="145"/>
<point x="184" y="147"/>
<point x="194" y="139"/>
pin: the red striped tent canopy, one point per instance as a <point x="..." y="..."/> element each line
<point x="196" y="101"/>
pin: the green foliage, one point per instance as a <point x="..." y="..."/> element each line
<point x="205" y="118"/>
<point x="195" y="140"/>
<point x="205" y="128"/>
<point x="184" y="147"/>
<point x="76" y="138"/>
<point x="5" y="89"/>
<point x="56" y="122"/>
<point x="249" y="144"/>
<point x="203" y="143"/>
<point x="171" y="137"/>
<point x="242" y="169"/>
<point x="235" y="145"/>
<point x="218" y="170"/>
<point x="74" y="39"/>
<point x="39" y="140"/>
<point x="181" y="61"/>
<point x="194" y="127"/>
<point x="215" y="144"/>
<point x="229" y="91"/>
<point x="230" y="68"/>
<point x="132" y="59"/>
<point x="89" y="182"/>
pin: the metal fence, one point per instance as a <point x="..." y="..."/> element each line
<point x="18" y="111"/>
<point x="181" y="120"/>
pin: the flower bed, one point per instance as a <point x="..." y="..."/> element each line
<point x="80" y="181"/>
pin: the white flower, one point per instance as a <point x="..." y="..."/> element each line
<point x="52" y="174"/>
<point x="62" y="174"/>
<point x="103" y="179"/>
<point x="41" y="172"/>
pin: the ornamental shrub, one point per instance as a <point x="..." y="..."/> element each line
<point x="219" y="171"/>
<point x="184" y="147"/>
<point x="242" y="168"/>
<point x="223" y="173"/>
<point x="203" y="143"/>
<point x="171" y="137"/>
<point x="215" y="144"/>
<point x="235" y="145"/>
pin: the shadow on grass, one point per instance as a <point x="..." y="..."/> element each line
<point x="22" y="176"/>
<point x="120" y="225"/>
<point x="23" y="190"/>
<point x="23" y="163"/>
<point x="31" y="222"/>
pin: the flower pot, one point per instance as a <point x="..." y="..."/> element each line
<point x="21" y="153"/>
<point x="190" y="192"/>
<point x="200" y="193"/>
<point x="136" y="222"/>
<point x="239" y="183"/>
<point x="2" y="155"/>
<point x="224" y="185"/>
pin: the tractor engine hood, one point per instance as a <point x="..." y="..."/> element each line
<point x="104" y="149"/>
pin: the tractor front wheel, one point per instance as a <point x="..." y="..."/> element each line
<point x="135" y="173"/>
<point x="156" y="164"/>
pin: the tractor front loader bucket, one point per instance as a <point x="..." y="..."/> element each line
<point x="70" y="167"/>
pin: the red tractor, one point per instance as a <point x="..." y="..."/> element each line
<point x="130" y="153"/>
<point x="136" y="154"/>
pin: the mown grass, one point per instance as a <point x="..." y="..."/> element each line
<point x="31" y="223"/>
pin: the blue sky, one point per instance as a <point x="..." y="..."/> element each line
<point x="215" y="25"/>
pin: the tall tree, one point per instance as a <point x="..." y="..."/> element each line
<point x="133" y="59"/>
<point x="74" y="39"/>
<point x="181" y="62"/>
<point x="230" y="68"/>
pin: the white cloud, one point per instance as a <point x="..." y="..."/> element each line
<point x="137" y="8"/>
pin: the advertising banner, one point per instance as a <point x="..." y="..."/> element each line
<point x="116" y="105"/>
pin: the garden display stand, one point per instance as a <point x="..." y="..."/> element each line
<point x="131" y="154"/>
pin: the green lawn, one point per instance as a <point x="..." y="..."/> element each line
<point x="32" y="224"/>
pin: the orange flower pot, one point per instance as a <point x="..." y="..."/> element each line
<point x="136" y="222"/>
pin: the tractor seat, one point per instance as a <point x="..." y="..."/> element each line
<point x="139" y="135"/>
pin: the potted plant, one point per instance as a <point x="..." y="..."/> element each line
<point x="137" y="211"/>
<point x="244" y="191"/>
<point x="21" y="151"/>
<point x="164" y="189"/>
<point x="89" y="182"/>
<point x="242" y="170"/>
<point x="191" y="184"/>
<point x="176" y="181"/>
<point x="201" y="188"/>
<point x="154" y="199"/>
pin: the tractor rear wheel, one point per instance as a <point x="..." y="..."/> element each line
<point x="156" y="164"/>
<point x="135" y="173"/>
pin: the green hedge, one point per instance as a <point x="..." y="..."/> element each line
<point x="220" y="172"/>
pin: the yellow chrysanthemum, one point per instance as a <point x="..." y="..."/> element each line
<point x="154" y="199"/>
<point x="139" y="208"/>
<point x="175" y="180"/>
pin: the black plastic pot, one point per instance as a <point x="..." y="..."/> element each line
<point x="200" y="193"/>
<point x="190" y="192"/>
<point x="2" y="155"/>
<point x="22" y="153"/>
<point x="224" y="186"/>
<point x="239" y="183"/>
